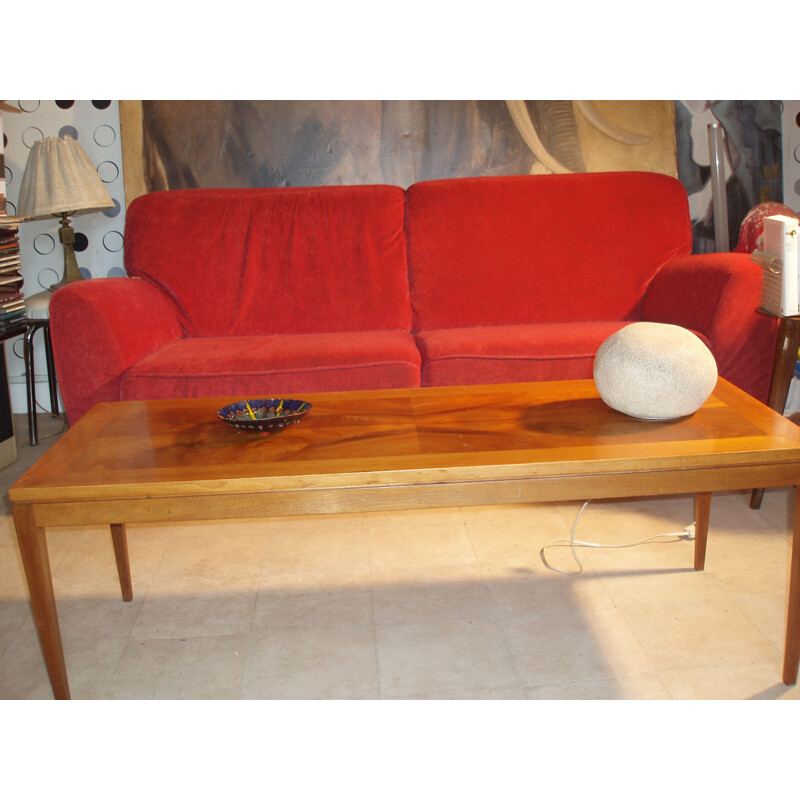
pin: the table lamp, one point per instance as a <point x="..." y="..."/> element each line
<point x="61" y="181"/>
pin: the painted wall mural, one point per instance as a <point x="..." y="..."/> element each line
<point x="237" y="143"/>
<point x="182" y="144"/>
<point x="753" y="159"/>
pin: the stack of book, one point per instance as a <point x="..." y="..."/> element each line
<point x="12" y="301"/>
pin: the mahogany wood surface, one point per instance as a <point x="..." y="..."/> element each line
<point x="155" y="461"/>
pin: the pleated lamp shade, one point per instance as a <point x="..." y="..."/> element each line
<point x="60" y="179"/>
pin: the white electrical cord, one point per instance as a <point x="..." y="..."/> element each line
<point x="688" y="533"/>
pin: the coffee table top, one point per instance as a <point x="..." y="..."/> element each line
<point x="396" y="437"/>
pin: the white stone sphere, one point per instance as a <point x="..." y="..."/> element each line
<point x="654" y="371"/>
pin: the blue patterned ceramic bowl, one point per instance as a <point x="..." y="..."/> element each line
<point x="264" y="416"/>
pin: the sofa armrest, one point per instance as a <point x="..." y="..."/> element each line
<point x="717" y="295"/>
<point x="99" y="328"/>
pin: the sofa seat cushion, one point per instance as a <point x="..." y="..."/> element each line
<point x="512" y="353"/>
<point x="272" y="365"/>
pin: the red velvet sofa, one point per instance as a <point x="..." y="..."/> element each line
<point x="276" y="292"/>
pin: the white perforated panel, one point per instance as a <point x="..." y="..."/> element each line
<point x="99" y="236"/>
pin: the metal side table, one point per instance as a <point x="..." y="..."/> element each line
<point x="37" y="312"/>
<point x="27" y="328"/>
<point x="33" y="325"/>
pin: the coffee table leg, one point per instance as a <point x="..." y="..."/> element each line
<point x="702" y="508"/>
<point x="792" y="652"/>
<point x="33" y="548"/>
<point x="120" y="540"/>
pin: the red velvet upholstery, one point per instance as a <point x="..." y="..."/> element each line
<point x="550" y="351"/>
<point x="270" y="366"/>
<point x="243" y="262"/>
<point x="233" y="290"/>
<point x="101" y="327"/>
<point x="240" y="292"/>
<point x="546" y="248"/>
<point x="521" y="278"/>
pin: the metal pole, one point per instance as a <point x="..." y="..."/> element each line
<point x="719" y="195"/>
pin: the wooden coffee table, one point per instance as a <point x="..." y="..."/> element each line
<point x="165" y="460"/>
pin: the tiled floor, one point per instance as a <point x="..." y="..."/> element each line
<point x="452" y="603"/>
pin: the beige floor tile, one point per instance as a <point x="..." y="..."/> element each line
<point x="14" y="614"/>
<point x="201" y="668"/>
<point x="78" y="534"/>
<point x="749" y="560"/>
<point x="406" y="596"/>
<point x="8" y="534"/>
<point x="86" y="566"/>
<point x="12" y="574"/>
<point x="517" y="596"/>
<point x="336" y="544"/>
<point x="558" y="644"/>
<point x="23" y="675"/>
<point x="202" y="608"/>
<point x="624" y="537"/>
<point x="687" y="635"/>
<point x="512" y="536"/>
<point x="777" y="508"/>
<point x="631" y="586"/>
<point x="512" y="692"/>
<point x="731" y="510"/>
<point x="658" y="557"/>
<point x="442" y="656"/>
<point x="326" y="601"/>
<point x="767" y="611"/>
<point x="221" y="555"/>
<point x="91" y="664"/>
<point x="96" y="613"/>
<point x="92" y="564"/>
<point x="759" y="681"/>
<point x="411" y="540"/>
<point x="312" y="664"/>
<point x="145" y="554"/>
<point x="625" y="687"/>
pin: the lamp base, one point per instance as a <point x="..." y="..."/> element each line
<point x="66" y="234"/>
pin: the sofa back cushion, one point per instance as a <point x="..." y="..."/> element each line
<point x="544" y="248"/>
<point x="274" y="261"/>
